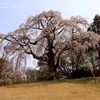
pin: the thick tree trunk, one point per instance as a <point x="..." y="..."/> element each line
<point x="52" y="72"/>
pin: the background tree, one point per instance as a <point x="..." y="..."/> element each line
<point x="5" y="69"/>
<point x="32" y="74"/>
<point x="2" y="66"/>
<point x="95" y="25"/>
<point x="43" y="70"/>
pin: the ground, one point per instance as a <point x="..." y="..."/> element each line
<point x="51" y="91"/>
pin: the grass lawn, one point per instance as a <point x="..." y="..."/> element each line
<point x="51" y="91"/>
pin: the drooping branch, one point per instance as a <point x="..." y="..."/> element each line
<point x="47" y="37"/>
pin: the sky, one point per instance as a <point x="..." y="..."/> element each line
<point x="13" y="13"/>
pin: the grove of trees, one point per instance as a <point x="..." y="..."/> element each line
<point x="69" y="47"/>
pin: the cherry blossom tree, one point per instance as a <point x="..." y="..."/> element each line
<point x="49" y="38"/>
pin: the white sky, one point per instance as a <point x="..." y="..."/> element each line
<point x="13" y="13"/>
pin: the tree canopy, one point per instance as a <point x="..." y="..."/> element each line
<point x="51" y="39"/>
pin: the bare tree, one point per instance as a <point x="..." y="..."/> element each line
<point x="48" y="38"/>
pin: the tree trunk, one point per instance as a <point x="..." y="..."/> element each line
<point x="52" y="72"/>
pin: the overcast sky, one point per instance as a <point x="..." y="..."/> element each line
<point x="15" y="12"/>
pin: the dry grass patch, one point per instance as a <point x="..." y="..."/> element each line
<point x="47" y="91"/>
